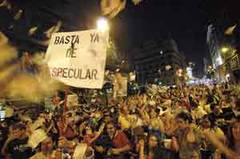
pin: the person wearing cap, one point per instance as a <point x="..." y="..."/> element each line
<point x="16" y="146"/>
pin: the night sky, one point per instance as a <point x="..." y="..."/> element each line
<point x="186" y="21"/>
<point x="183" y="20"/>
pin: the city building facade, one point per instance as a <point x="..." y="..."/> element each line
<point x="158" y="61"/>
<point x="224" y="54"/>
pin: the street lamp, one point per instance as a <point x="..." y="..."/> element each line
<point x="224" y="49"/>
<point x="102" y="24"/>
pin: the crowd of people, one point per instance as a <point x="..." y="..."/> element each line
<point x="190" y="122"/>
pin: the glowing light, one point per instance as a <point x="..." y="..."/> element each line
<point x="189" y="72"/>
<point x="224" y="49"/>
<point x="102" y="24"/>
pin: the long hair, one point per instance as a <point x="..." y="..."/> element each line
<point x="231" y="141"/>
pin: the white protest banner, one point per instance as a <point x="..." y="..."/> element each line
<point x="123" y="90"/>
<point x="78" y="58"/>
<point x="120" y="85"/>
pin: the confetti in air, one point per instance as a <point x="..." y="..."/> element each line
<point x="5" y="3"/>
<point x="32" y="30"/>
<point x="53" y="29"/>
<point x="111" y="8"/>
<point x="136" y="2"/>
<point x="16" y="82"/>
<point x="230" y="30"/>
<point x="18" y="14"/>
<point x="8" y="53"/>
